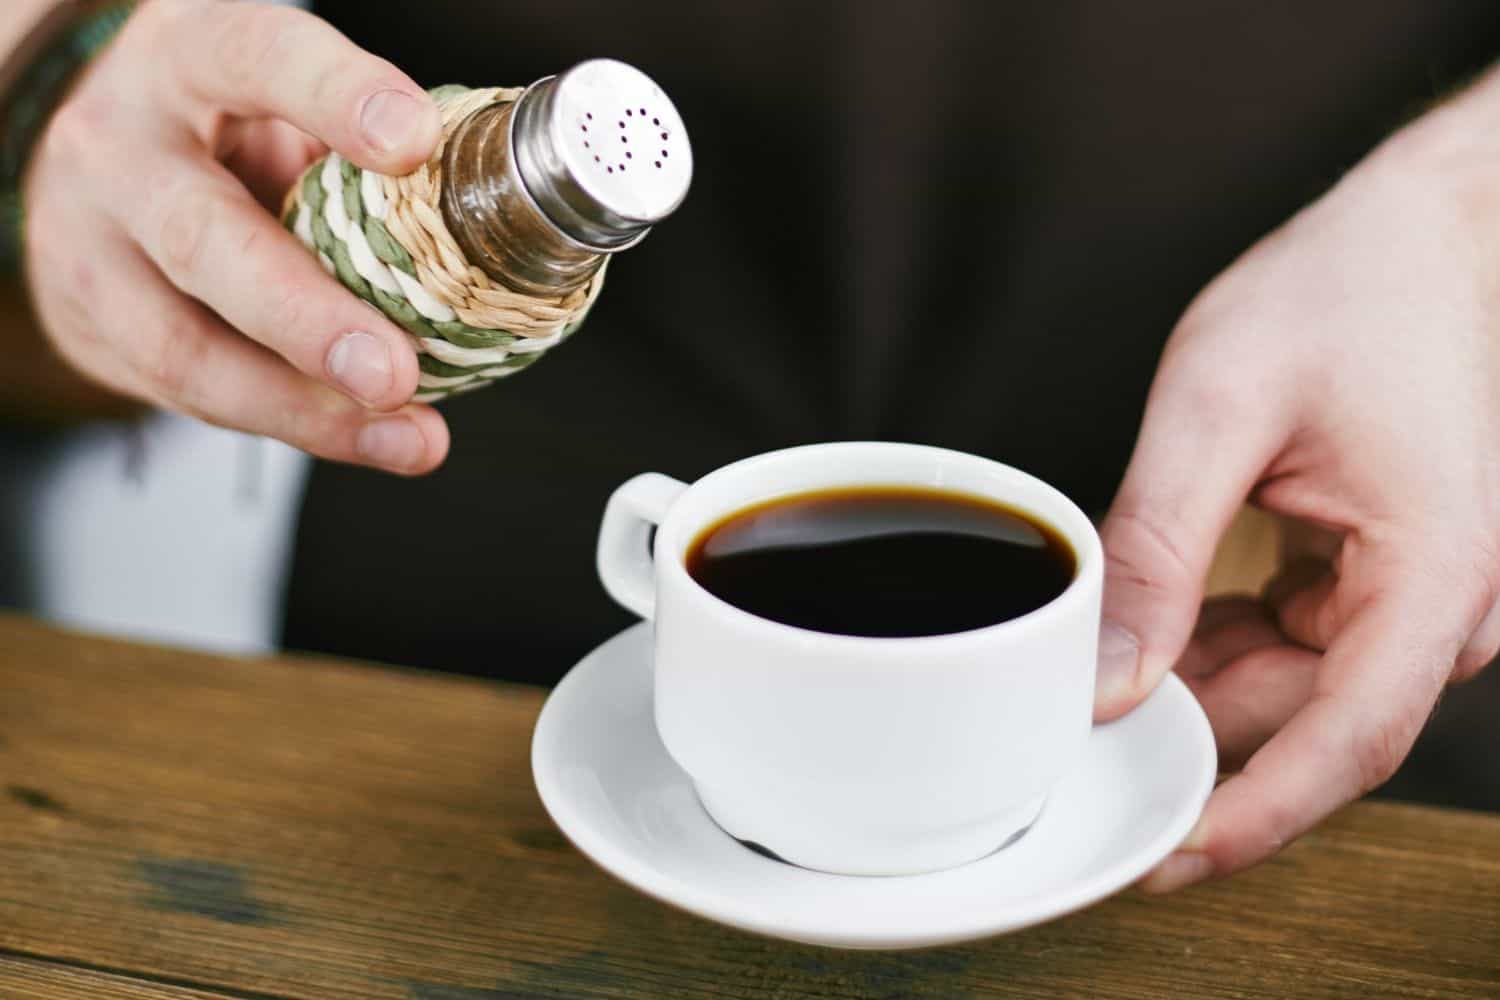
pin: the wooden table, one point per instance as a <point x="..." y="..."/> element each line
<point x="183" y="826"/>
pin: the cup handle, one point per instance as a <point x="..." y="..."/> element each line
<point x="624" y="563"/>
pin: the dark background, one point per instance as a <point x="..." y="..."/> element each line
<point x="964" y="223"/>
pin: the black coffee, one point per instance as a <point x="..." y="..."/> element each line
<point x="883" y="561"/>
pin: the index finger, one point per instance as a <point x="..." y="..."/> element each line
<point x="257" y="60"/>
<point x="1377" y="685"/>
<point x="211" y="240"/>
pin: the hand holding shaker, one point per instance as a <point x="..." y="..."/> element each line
<point x="494" y="250"/>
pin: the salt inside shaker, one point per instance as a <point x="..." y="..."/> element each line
<point x="582" y="165"/>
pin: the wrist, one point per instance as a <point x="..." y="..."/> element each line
<point x="34" y="80"/>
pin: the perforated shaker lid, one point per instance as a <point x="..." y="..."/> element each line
<point x="603" y="151"/>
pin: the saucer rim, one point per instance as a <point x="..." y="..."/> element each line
<point x="622" y="864"/>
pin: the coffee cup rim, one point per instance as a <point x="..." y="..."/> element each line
<point x="1074" y="525"/>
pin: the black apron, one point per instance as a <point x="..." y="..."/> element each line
<point x="965" y="223"/>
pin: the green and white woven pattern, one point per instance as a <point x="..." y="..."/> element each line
<point x="384" y="238"/>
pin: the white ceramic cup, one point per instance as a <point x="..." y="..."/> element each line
<point x="860" y="756"/>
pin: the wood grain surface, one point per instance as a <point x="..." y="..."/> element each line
<point x="1248" y="554"/>
<point x="28" y="979"/>
<point x="178" y="826"/>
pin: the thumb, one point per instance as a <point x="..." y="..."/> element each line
<point x="1193" y="466"/>
<point x="259" y="61"/>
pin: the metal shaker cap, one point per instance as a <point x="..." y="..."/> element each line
<point x="602" y="151"/>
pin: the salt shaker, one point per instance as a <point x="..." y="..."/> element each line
<point x="494" y="250"/>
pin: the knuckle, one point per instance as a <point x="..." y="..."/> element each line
<point x="292" y="426"/>
<point x="1122" y="567"/>
<point x="174" y="360"/>
<point x="286" y="311"/>
<point x="1379" y="750"/>
<point x="1206" y="400"/>
<point x="1198" y="383"/>
<point x="186" y="222"/>
<point x="331" y="85"/>
<point x="250" y="41"/>
<point x="289" y="317"/>
<point x="1464" y="571"/>
<point x="311" y="422"/>
<point x="1138" y="551"/>
<point x="1255" y="836"/>
<point x="1277" y="827"/>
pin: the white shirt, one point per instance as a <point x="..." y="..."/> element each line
<point x="171" y="530"/>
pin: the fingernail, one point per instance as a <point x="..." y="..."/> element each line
<point x="390" y="119"/>
<point x="361" y="363"/>
<point x="394" y="443"/>
<point x="1119" y="658"/>
<point x="1179" y="871"/>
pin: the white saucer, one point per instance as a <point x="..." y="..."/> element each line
<point x="608" y="782"/>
